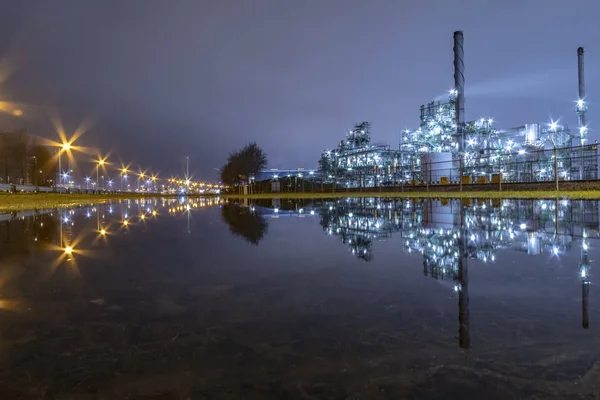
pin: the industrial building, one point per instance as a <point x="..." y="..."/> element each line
<point x="446" y="149"/>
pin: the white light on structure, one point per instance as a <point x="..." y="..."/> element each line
<point x="583" y="273"/>
<point x="580" y="103"/>
<point x="521" y="151"/>
<point x="585" y="246"/>
<point x="553" y="125"/>
<point x="555" y="251"/>
<point x="523" y="226"/>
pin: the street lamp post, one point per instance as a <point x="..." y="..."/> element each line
<point x="140" y="176"/>
<point x="123" y="176"/>
<point x="100" y="162"/>
<point x="64" y="147"/>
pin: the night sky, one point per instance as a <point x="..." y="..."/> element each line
<point x="163" y="79"/>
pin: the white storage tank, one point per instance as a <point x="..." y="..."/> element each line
<point x="434" y="166"/>
<point x="532" y="133"/>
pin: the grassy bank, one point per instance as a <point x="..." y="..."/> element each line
<point x="32" y="201"/>
<point x="538" y="194"/>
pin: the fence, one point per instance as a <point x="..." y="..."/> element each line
<point x="493" y="170"/>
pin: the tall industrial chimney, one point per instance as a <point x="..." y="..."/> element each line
<point x="459" y="86"/>
<point x="581" y="106"/>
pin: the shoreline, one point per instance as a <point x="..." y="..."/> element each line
<point x="10" y="202"/>
<point x="29" y="201"/>
<point x="509" y="194"/>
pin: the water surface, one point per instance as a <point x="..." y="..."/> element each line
<point x="325" y="299"/>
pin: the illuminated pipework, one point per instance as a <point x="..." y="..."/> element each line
<point x="521" y="154"/>
<point x="357" y="162"/>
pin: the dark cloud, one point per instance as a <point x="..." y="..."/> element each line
<point x="166" y="79"/>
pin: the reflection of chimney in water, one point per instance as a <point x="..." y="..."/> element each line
<point x="584" y="268"/>
<point x="585" y="306"/>
<point x="464" y="337"/>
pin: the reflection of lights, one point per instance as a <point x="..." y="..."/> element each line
<point x="585" y="246"/>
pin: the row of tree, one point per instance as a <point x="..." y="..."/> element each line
<point x="243" y="164"/>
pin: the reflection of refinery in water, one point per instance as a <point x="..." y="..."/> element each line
<point x="444" y="144"/>
<point x="433" y="227"/>
<point x="449" y="233"/>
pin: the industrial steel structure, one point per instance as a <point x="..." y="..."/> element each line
<point x="447" y="149"/>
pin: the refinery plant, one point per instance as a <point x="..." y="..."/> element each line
<point x="446" y="149"/>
